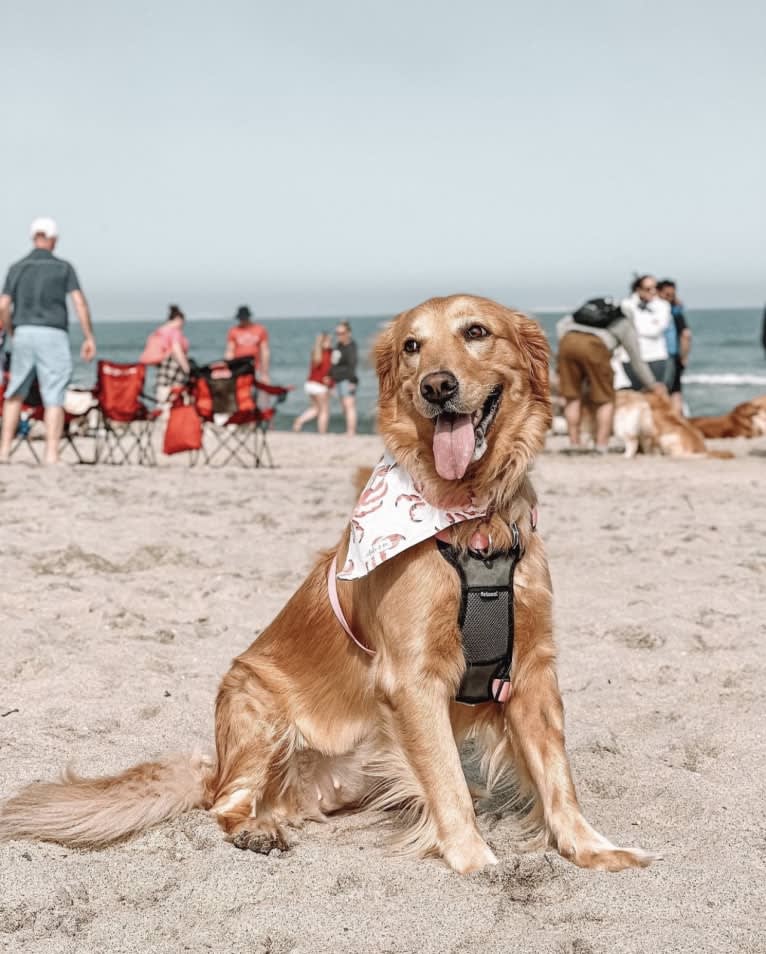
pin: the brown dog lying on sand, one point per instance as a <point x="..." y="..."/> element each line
<point x="745" y="420"/>
<point x="307" y="722"/>
<point x="649" y="421"/>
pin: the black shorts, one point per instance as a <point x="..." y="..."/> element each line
<point x="678" y="369"/>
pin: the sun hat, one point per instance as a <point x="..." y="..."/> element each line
<point x="243" y="312"/>
<point x="43" y="225"/>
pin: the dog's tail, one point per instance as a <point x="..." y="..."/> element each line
<point x="90" y="812"/>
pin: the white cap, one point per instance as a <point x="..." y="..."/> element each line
<point x="44" y="226"/>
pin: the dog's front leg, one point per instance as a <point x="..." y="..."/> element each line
<point x="423" y="731"/>
<point x="535" y="718"/>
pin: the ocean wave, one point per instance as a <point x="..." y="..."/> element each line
<point x="725" y="379"/>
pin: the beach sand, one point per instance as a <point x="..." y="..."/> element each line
<point x="127" y="591"/>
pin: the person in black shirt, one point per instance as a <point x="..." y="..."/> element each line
<point x="679" y="339"/>
<point x="343" y="373"/>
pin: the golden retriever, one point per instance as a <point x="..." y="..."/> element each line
<point x="745" y="420"/>
<point x="307" y="724"/>
<point x="649" y="421"/>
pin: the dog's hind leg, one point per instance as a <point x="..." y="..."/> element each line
<point x="254" y="742"/>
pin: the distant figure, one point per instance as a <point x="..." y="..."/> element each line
<point x="33" y="309"/>
<point x="173" y="369"/>
<point x="343" y="373"/>
<point x="249" y="340"/>
<point x="651" y="317"/>
<point x="679" y="340"/>
<point x="584" y="358"/>
<point x="318" y="385"/>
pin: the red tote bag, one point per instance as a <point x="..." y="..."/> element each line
<point x="184" y="430"/>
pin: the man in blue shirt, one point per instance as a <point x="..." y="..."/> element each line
<point x="33" y="309"/>
<point x="679" y="339"/>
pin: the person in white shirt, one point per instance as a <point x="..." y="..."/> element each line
<point x="651" y="316"/>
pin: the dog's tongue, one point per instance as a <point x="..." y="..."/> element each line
<point x="454" y="444"/>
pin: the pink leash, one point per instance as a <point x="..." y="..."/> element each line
<point x="332" y="589"/>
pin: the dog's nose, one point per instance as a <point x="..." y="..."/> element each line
<point x="439" y="386"/>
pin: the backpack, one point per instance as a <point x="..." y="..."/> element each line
<point x="598" y="312"/>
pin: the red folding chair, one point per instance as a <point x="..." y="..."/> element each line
<point x="32" y="411"/>
<point x="125" y="421"/>
<point x="235" y="428"/>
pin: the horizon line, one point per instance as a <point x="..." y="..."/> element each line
<point x="362" y="316"/>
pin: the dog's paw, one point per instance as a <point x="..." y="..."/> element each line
<point x="603" y="856"/>
<point x="470" y="854"/>
<point x="614" y="859"/>
<point x="261" y="842"/>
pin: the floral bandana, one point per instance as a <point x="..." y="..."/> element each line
<point x="392" y="515"/>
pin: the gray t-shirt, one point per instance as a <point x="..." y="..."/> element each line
<point x="38" y="286"/>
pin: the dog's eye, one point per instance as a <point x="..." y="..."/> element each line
<point x="411" y="346"/>
<point x="476" y="331"/>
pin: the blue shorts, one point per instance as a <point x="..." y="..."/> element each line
<point x="345" y="388"/>
<point x="41" y="352"/>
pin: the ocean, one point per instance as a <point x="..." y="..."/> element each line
<point x="727" y="363"/>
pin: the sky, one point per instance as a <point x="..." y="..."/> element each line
<point x="350" y="157"/>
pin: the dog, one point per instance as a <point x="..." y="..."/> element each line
<point x="648" y="421"/>
<point x="745" y="420"/>
<point x="308" y="724"/>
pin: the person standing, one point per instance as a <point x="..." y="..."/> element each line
<point x="248" y="339"/>
<point x="318" y="385"/>
<point x="343" y="373"/>
<point x="33" y="309"/>
<point x="584" y="356"/>
<point x="650" y="316"/>
<point x="172" y="352"/>
<point x="679" y="341"/>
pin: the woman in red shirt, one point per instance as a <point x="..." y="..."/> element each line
<point x="318" y="385"/>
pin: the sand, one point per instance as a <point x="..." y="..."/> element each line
<point x="126" y="592"/>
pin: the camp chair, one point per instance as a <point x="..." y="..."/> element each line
<point x="235" y="428"/>
<point x="32" y="411"/>
<point x="125" y="421"/>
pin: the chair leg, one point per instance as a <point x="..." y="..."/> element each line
<point x="24" y="439"/>
<point x="265" y="451"/>
<point x="70" y="442"/>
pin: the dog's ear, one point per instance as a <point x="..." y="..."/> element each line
<point x="384" y="353"/>
<point x="537" y="351"/>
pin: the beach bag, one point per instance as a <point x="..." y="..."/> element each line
<point x="184" y="430"/>
<point x="156" y="349"/>
<point x="598" y="312"/>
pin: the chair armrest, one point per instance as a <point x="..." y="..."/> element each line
<point x="280" y="393"/>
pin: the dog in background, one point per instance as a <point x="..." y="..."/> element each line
<point x="745" y="420"/>
<point x="307" y="724"/>
<point x="648" y="421"/>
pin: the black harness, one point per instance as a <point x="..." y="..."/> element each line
<point x="485" y="618"/>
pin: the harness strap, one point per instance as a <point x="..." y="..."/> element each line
<point x="486" y="619"/>
<point x="332" y="590"/>
<point x="500" y="685"/>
